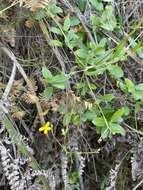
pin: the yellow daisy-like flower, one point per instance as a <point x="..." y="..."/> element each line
<point x="46" y="128"/>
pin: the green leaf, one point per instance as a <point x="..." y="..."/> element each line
<point x="82" y="5"/>
<point x="122" y="86"/>
<point x="82" y="53"/>
<point x="104" y="133"/>
<point x="108" y="20"/>
<point x="130" y="85"/>
<point x="80" y="85"/>
<point x="55" y="43"/>
<point x="93" y="86"/>
<point x="74" y="21"/>
<point x="56" y="30"/>
<point x="66" y="119"/>
<point x="117" y="129"/>
<point x="140" y="53"/>
<point x="59" y="81"/>
<point x="89" y="115"/>
<point x="117" y="115"/>
<point x="97" y="4"/>
<point x="40" y="14"/>
<point x="137" y="94"/>
<point x="120" y="52"/>
<point x="93" y="72"/>
<point x="107" y="0"/>
<point x="67" y="24"/>
<point x="72" y="39"/>
<point x="48" y="93"/>
<point x="60" y="78"/>
<point x="116" y="71"/>
<point x="137" y="107"/>
<point x="55" y="9"/>
<point x="95" y="21"/>
<point x="46" y="73"/>
<point x="76" y="120"/>
<point x="139" y="87"/>
<point x="103" y="42"/>
<point x="99" y="122"/>
<point x="126" y="110"/>
<point x="107" y="97"/>
<point x="59" y="85"/>
<point x="137" y="47"/>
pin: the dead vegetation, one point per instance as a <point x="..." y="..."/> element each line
<point x="74" y="154"/>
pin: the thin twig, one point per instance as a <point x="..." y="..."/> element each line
<point x="131" y="54"/>
<point x="13" y="58"/>
<point x="139" y="184"/>
<point x="54" y="48"/>
<point x="80" y="16"/>
<point x="10" y="82"/>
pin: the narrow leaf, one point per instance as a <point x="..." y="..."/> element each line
<point x="130" y="85"/>
<point x="99" y="122"/>
<point x="67" y="24"/>
<point x="117" y="115"/>
<point x="46" y="73"/>
<point x="55" y="43"/>
<point x="56" y="30"/>
<point x="116" y="71"/>
<point x="107" y="97"/>
<point x="117" y="129"/>
<point x="82" y="53"/>
<point x="48" y="93"/>
<point x="97" y="4"/>
<point x="139" y="87"/>
<point x="66" y="119"/>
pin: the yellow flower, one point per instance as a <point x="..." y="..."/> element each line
<point x="46" y="128"/>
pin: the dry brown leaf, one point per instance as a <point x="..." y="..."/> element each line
<point x="33" y="83"/>
<point x="35" y="5"/>
<point x="44" y="113"/>
<point x="29" y="23"/>
<point x="88" y="105"/>
<point x="30" y="98"/>
<point x="10" y="36"/>
<point x="44" y="104"/>
<point x="54" y="105"/>
<point x="18" y="114"/>
<point x="18" y="83"/>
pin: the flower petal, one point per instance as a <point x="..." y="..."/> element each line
<point x="46" y="128"/>
<point x="41" y="129"/>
